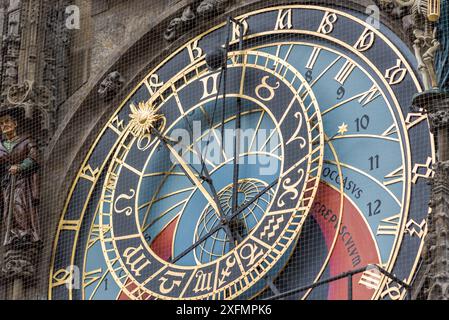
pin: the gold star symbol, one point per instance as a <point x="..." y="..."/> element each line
<point x="343" y="129"/>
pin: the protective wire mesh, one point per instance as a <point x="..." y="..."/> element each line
<point x="223" y="149"/>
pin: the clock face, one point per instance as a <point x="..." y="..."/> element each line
<point x="302" y="163"/>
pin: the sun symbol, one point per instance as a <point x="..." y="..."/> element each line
<point x="144" y="118"/>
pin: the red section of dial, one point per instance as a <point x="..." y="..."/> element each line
<point x="355" y="247"/>
<point x="162" y="246"/>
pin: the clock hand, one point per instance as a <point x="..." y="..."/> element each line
<point x="236" y="165"/>
<point x="205" y="176"/>
<point x="234" y="238"/>
<point x="215" y="229"/>
<point x="194" y="179"/>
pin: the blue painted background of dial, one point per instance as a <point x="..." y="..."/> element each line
<point x="355" y="151"/>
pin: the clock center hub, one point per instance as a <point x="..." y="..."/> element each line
<point x="243" y="224"/>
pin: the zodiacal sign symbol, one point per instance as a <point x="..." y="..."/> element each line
<point x="270" y="229"/>
<point x="203" y="281"/>
<point x="226" y="272"/>
<point x="136" y="264"/>
<point x="251" y="253"/>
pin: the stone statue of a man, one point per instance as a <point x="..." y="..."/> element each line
<point x="19" y="167"/>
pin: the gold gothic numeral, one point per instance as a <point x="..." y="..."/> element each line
<point x="210" y="90"/>
<point x="117" y="125"/>
<point x="394" y="292"/>
<point x="127" y="210"/>
<point x="92" y="276"/>
<point x="313" y="58"/>
<point x="153" y="83"/>
<point x="395" y="176"/>
<point x="396" y="74"/>
<point x="345" y="72"/>
<point x="265" y="91"/>
<point x="195" y="52"/>
<point x="236" y="32"/>
<point x="89" y="174"/>
<point x="284" y="20"/>
<point x="369" y="96"/>
<point x="389" y="226"/>
<point x="366" y="41"/>
<point x="416" y="230"/>
<point x="327" y="24"/>
<point x="296" y="135"/>
<point x="70" y="225"/>
<point x="418" y="168"/>
<point x="371" y="279"/>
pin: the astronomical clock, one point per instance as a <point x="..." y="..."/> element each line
<point x="322" y="176"/>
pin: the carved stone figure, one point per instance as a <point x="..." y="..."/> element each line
<point x="179" y="25"/>
<point x="426" y="43"/>
<point x="19" y="167"/>
<point x="210" y="7"/>
<point x="397" y="9"/>
<point x="111" y="85"/>
<point x="206" y="9"/>
<point x="442" y="57"/>
<point x="415" y="17"/>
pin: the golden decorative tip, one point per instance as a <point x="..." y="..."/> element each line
<point x="434" y="10"/>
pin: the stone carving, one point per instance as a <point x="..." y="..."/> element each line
<point x="10" y="73"/>
<point x="426" y="43"/>
<point x="111" y="85"/>
<point x="415" y="17"/>
<point x="30" y="87"/>
<point x="204" y="9"/>
<point x="436" y="105"/>
<point x="11" y="45"/>
<point x="33" y="99"/>
<point x="20" y="261"/>
<point x="442" y="57"/>
<point x="436" y="249"/>
<point x="439" y="119"/>
<point x="440" y="178"/>
<point x="396" y="9"/>
<point x="415" y="20"/>
<point x="57" y="52"/>
<point x="208" y="8"/>
<point x="19" y="167"/>
<point x="178" y="25"/>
